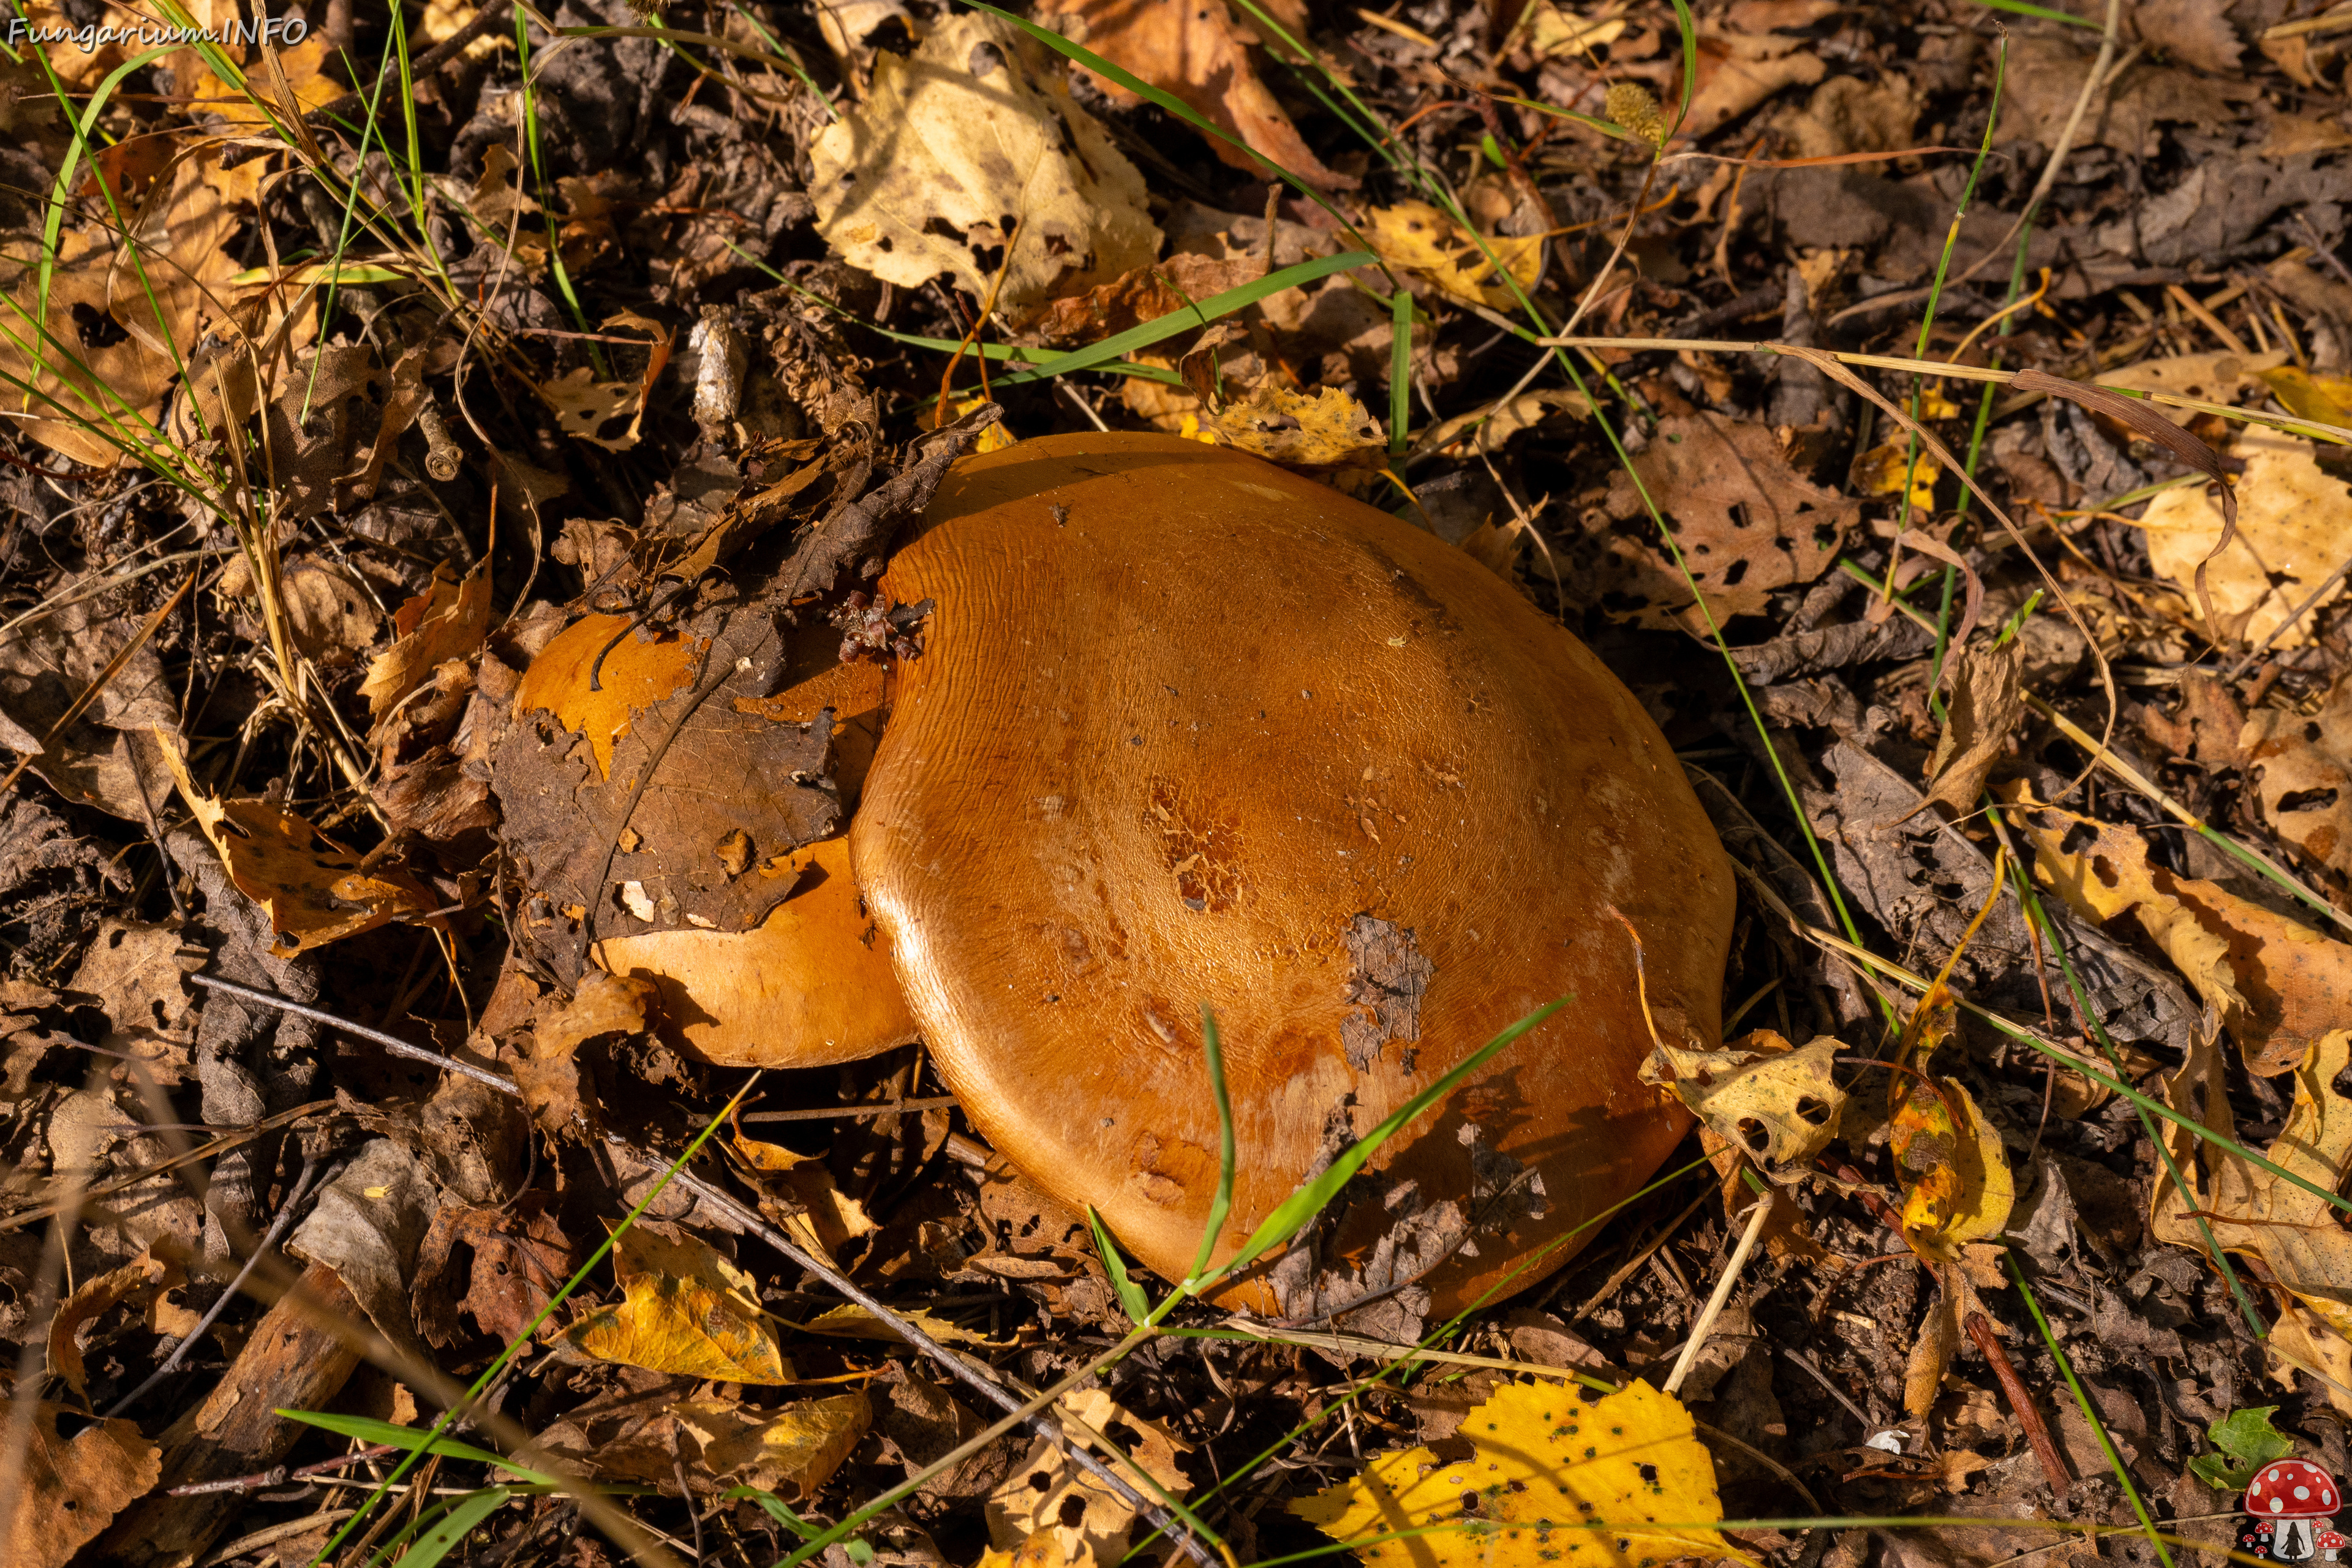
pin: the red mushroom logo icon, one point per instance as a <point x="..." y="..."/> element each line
<point x="2292" y="1503"/>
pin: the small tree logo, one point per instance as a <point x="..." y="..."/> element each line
<point x="2290" y="1507"/>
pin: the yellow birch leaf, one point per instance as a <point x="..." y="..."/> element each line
<point x="1423" y="240"/>
<point x="685" y="1309"/>
<point x="1623" y="1483"/>
<point x="1286" y="426"/>
<point x="791" y="1452"/>
<point x="1776" y="1101"/>
<point x="1883" y="470"/>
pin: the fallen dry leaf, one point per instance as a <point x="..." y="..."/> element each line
<point x="138" y="975"/>
<point x="1326" y="429"/>
<point x="2297" y="1234"/>
<point x="1046" y="1491"/>
<point x="519" y="1256"/>
<point x="2301" y="1340"/>
<point x="791" y="1452"/>
<point x="2192" y="32"/>
<point x="65" y="1492"/>
<point x="1982" y="706"/>
<point x="2220" y="375"/>
<point x="1746" y="522"/>
<point x="1423" y="240"/>
<point x="1778" y="1101"/>
<point x="685" y="1309"/>
<point x="2293" y="518"/>
<point x="1203" y="54"/>
<point x="2301" y="769"/>
<point x="2279" y="984"/>
<point x="971" y="158"/>
<point x="1737" y="72"/>
<point x="445" y="622"/>
<point x="1546" y="1473"/>
<point x="313" y="890"/>
<point x="93" y="1301"/>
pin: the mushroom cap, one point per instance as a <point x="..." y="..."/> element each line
<point x="2292" y="1488"/>
<point x="811" y="983"/>
<point x="1188" y="728"/>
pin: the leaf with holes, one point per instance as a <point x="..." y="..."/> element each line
<point x="1620" y="1483"/>
<point x="1746" y="522"/>
<point x="1048" y="1493"/>
<point x="2302" y="767"/>
<point x="1760" y="1093"/>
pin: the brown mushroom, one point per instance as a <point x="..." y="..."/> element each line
<point x="1187" y="729"/>
<point x="812" y="983"/>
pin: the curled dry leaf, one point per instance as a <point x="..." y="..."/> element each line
<point x="2302" y="772"/>
<point x="313" y="890"/>
<point x="366" y="1226"/>
<point x="1986" y="700"/>
<point x="850" y="1321"/>
<point x="1204" y="55"/>
<point x="1325" y="430"/>
<point x="65" y="1492"/>
<point x="2279" y="984"/>
<point x="446" y="621"/>
<point x="2297" y="1234"/>
<point x="2293" y="518"/>
<point x="685" y="1309"/>
<point x="1048" y="1492"/>
<point x="791" y="1452"/>
<point x="1778" y="1101"/>
<point x="1546" y="1473"/>
<point x="1425" y="241"/>
<point x="145" y="1274"/>
<point x="971" y="158"/>
<point x="1746" y="522"/>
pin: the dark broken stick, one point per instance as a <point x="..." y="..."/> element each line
<point x="1041" y="1422"/>
<point x="2012" y="1387"/>
<point x="298" y="1358"/>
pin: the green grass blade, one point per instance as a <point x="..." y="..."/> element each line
<point x="2090" y="1411"/>
<point x="445" y="1534"/>
<point x="1222" y="1204"/>
<point x="2025" y="8"/>
<point x="1295" y="1213"/>
<point x="1132" y="1298"/>
<point x="1400" y="370"/>
<point x="418" y="1440"/>
<point x="1686" y="26"/>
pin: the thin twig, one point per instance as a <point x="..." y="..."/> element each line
<point x="2021" y="1402"/>
<point x="188" y="1341"/>
<point x="1040" y="1419"/>
<point x="1760" y="1211"/>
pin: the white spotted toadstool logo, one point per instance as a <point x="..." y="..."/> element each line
<point x="2290" y="1513"/>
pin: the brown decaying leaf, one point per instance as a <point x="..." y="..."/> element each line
<point x="91" y="373"/>
<point x="137" y="973"/>
<point x="1737" y="72"/>
<point x="2280" y="986"/>
<point x="67" y="1491"/>
<point x="1746" y="521"/>
<point x="519" y="1256"/>
<point x="146" y="1273"/>
<point x="1203" y="54"/>
<point x="972" y="145"/>
<point x="1983" y="705"/>
<point x="2303" y="773"/>
<point x="446" y="621"/>
<point x="2297" y="1234"/>
<point x="313" y="890"/>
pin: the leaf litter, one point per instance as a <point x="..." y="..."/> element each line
<point x="642" y="369"/>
